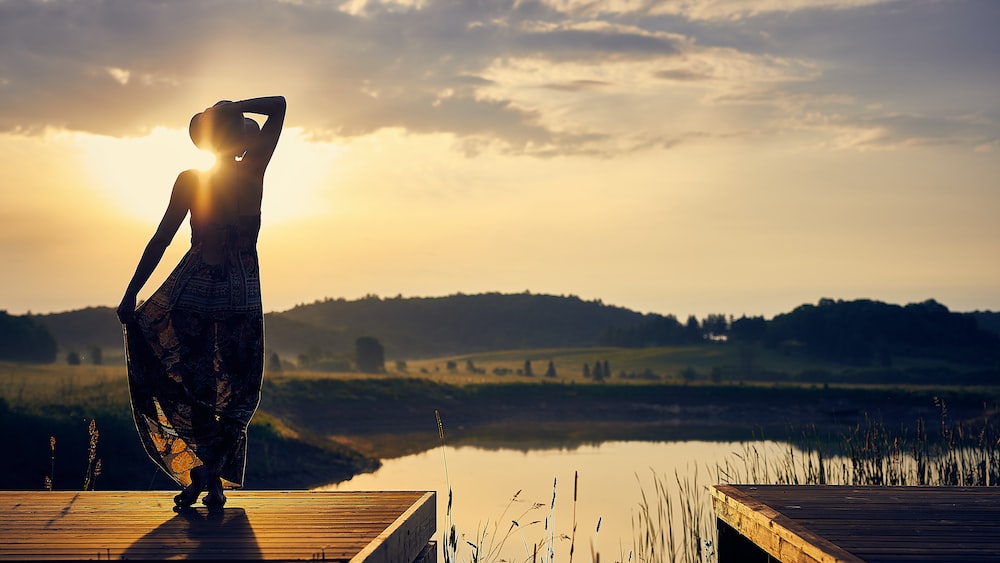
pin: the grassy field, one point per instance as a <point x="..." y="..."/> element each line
<point x="313" y="426"/>
<point x="676" y="364"/>
<point x="41" y="403"/>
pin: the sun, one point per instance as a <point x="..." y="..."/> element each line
<point x="136" y="174"/>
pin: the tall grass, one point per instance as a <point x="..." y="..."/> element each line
<point x="490" y="539"/>
<point x="870" y="453"/>
<point x="674" y="522"/>
<point x="676" y="525"/>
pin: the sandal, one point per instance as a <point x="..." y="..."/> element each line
<point x="215" y="498"/>
<point x="189" y="495"/>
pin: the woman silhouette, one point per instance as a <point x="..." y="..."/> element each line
<point x="194" y="349"/>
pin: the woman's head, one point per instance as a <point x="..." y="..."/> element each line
<point x="250" y="127"/>
<point x="218" y="130"/>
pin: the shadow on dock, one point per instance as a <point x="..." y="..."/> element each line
<point x="215" y="534"/>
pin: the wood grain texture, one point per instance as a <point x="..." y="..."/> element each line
<point x="871" y="524"/>
<point x="255" y="525"/>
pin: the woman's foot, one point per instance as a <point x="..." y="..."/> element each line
<point x="214" y="498"/>
<point x="189" y="495"/>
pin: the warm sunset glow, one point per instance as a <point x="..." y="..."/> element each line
<point x="136" y="174"/>
<point x="677" y="157"/>
<point x="301" y="178"/>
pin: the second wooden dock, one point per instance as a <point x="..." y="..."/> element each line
<point x="834" y="524"/>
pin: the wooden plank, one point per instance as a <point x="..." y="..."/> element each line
<point x="255" y="525"/>
<point x="872" y="524"/>
<point x="773" y="532"/>
<point x="396" y="540"/>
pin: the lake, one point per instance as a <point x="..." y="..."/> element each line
<point x="494" y="487"/>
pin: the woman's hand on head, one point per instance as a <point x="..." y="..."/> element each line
<point x="224" y="106"/>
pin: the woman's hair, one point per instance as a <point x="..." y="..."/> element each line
<point x="217" y="131"/>
<point x="250" y="127"/>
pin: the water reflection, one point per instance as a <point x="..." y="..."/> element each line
<point x="611" y="478"/>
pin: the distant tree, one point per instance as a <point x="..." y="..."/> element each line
<point x="598" y="372"/>
<point x="451" y="366"/>
<point x="606" y="369"/>
<point x="470" y="366"/>
<point x="527" y="368"/>
<point x="401" y="366"/>
<point x="73" y="358"/>
<point x="369" y="354"/>
<point x="551" y="370"/>
<point x="274" y="362"/>
<point x="96" y="355"/>
<point x="23" y="339"/>
<point x="748" y="329"/>
<point x="586" y="369"/>
<point x="692" y="330"/>
<point x="863" y="331"/>
<point x="655" y="330"/>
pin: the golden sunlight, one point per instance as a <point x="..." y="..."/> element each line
<point x="138" y="173"/>
<point x="299" y="178"/>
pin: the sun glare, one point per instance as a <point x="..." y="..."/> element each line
<point x="300" y="178"/>
<point x="136" y="174"/>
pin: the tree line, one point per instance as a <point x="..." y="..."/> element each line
<point x="324" y="335"/>
<point x="23" y="339"/>
<point x="858" y="332"/>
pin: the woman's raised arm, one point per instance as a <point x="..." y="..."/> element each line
<point x="262" y="148"/>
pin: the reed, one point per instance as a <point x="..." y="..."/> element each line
<point x="450" y="545"/>
<point x="673" y="521"/>
<point x="959" y="453"/>
<point x="93" y="463"/>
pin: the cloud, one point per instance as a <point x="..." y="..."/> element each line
<point x="533" y="77"/>
<point x="576" y="85"/>
<point x="682" y="75"/>
<point x="725" y="10"/>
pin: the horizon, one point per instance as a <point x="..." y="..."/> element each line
<point x="566" y="296"/>
<point x="682" y="158"/>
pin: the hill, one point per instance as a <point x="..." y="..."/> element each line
<point x="456" y="324"/>
<point x="407" y="327"/>
<point x="83" y="329"/>
<point x="322" y="334"/>
<point x="987" y="320"/>
<point x="24" y="339"/>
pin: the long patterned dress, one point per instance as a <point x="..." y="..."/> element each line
<point x="195" y="357"/>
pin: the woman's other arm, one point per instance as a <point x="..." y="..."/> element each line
<point x="177" y="209"/>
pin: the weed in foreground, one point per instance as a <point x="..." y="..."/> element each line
<point x="50" y="478"/>
<point x="93" y="464"/>
<point x="491" y="541"/>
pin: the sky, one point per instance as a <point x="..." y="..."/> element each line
<point x="678" y="157"/>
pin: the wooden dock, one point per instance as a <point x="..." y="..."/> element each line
<point x="375" y="527"/>
<point x="829" y="524"/>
